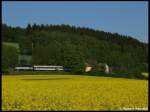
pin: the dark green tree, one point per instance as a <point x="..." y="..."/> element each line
<point x="9" y="57"/>
<point x="73" y="58"/>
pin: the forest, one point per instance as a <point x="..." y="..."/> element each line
<point x="73" y="47"/>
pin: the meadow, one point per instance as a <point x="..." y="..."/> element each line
<point x="16" y="45"/>
<point x="72" y="92"/>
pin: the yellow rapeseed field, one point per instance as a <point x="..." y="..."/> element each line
<point x="73" y="92"/>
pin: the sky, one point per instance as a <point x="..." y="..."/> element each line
<point x="126" y="18"/>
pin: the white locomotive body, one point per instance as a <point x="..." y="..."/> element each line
<point x="40" y="68"/>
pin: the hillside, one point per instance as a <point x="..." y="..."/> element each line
<point x="16" y="45"/>
<point x="69" y="45"/>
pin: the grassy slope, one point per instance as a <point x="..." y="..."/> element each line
<point x="12" y="44"/>
<point x="21" y="57"/>
<point x="72" y="92"/>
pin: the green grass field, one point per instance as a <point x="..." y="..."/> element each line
<point x="72" y="92"/>
<point x="12" y="44"/>
<point x="16" y="45"/>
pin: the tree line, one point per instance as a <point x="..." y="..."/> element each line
<point x="72" y="47"/>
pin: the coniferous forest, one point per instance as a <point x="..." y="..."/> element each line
<point x="73" y="47"/>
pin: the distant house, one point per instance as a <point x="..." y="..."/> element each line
<point x="100" y="66"/>
<point x="88" y="67"/>
<point x="103" y="67"/>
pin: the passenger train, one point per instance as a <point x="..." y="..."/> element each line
<point x="40" y="68"/>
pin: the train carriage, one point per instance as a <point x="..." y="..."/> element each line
<point x="47" y="68"/>
<point x="40" y="68"/>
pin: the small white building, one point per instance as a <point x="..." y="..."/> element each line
<point x="104" y="67"/>
<point x="88" y="68"/>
